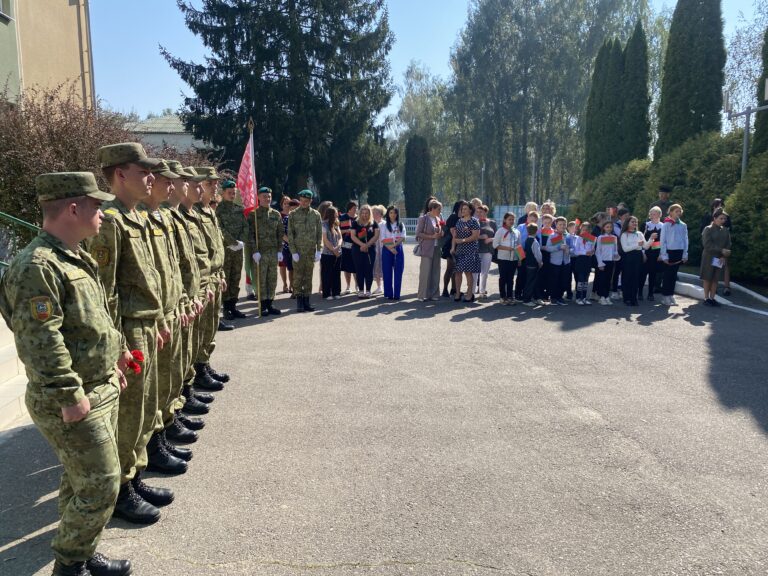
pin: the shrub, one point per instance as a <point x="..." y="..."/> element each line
<point x="748" y="208"/>
<point x="620" y="183"/>
<point x="704" y="168"/>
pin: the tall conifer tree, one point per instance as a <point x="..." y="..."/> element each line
<point x="760" y="143"/>
<point x="593" y="123"/>
<point x="692" y="83"/>
<point x="417" y="175"/>
<point x="613" y="110"/>
<point x="636" y="124"/>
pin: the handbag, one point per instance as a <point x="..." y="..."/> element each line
<point x="417" y="249"/>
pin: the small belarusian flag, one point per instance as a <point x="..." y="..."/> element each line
<point x="588" y="237"/>
<point x="608" y="239"/>
<point x="656" y="245"/>
<point x="556" y="239"/>
<point x="520" y="252"/>
<point x="547" y="232"/>
<point x="388" y="241"/>
<point x="362" y="233"/>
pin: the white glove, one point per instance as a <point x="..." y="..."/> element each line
<point x="236" y="247"/>
<point x="295" y="257"/>
<point x="317" y="255"/>
<point x="257" y="257"/>
<point x="280" y="257"/>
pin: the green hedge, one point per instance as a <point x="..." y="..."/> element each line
<point x="748" y="208"/>
<point x="702" y="169"/>
<point x="620" y="183"/>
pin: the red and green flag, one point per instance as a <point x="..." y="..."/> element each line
<point x="520" y="252"/>
<point x="556" y="239"/>
<point x="656" y="245"/>
<point x="606" y="240"/>
<point x="547" y="232"/>
<point x="388" y="241"/>
<point x="588" y="237"/>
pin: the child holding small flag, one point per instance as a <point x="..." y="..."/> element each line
<point x="507" y="243"/>
<point x="632" y="245"/>
<point x="542" y="285"/>
<point x="570" y="239"/>
<point x="607" y="253"/>
<point x="533" y="261"/>
<point x="522" y="232"/>
<point x="583" y="250"/>
<point x="652" y="233"/>
<point x="559" y="267"/>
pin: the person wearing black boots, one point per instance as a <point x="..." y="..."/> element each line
<point x="265" y="240"/>
<point x="232" y="223"/>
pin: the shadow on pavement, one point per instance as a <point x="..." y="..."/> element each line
<point x="29" y="476"/>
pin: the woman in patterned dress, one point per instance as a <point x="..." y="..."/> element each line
<point x="465" y="250"/>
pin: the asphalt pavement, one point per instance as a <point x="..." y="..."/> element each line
<point x="376" y="437"/>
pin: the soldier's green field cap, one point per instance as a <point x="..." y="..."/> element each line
<point x="208" y="171"/>
<point x="265" y="190"/>
<point x="125" y="153"/>
<point x="163" y="169"/>
<point x="305" y="194"/>
<point x="195" y="177"/>
<point x="177" y="168"/>
<point x="60" y="185"/>
<point x="228" y="184"/>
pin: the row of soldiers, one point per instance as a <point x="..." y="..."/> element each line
<point x="114" y="309"/>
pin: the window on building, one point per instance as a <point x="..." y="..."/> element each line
<point x="5" y="10"/>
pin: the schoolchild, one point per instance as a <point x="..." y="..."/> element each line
<point x="607" y="254"/>
<point x="533" y="262"/>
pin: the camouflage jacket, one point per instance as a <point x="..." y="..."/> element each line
<point x="232" y="222"/>
<point x="166" y="255"/>
<point x="192" y="217"/>
<point x="126" y="262"/>
<point x="270" y="227"/>
<point x="209" y="225"/>
<point x="54" y="302"/>
<point x="188" y="265"/>
<point x="305" y="231"/>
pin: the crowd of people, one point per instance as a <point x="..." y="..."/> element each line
<point x="542" y="258"/>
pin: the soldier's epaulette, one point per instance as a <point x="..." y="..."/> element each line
<point x="144" y="214"/>
<point x="40" y="255"/>
<point x="110" y="214"/>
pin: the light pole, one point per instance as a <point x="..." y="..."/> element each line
<point x="748" y="117"/>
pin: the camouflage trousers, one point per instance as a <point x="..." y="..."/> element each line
<point x="138" y="402"/>
<point x="89" y="484"/>
<point x="169" y="373"/>
<point x="267" y="275"/>
<point x="248" y="264"/>
<point x="233" y="272"/>
<point x="209" y="323"/>
<point x="302" y="272"/>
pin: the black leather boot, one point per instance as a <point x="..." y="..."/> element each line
<point x="220" y="376"/>
<point x="227" y="307"/>
<point x="205" y="381"/>
<point x="178" y="451"/>
<point x="264" y="309"/>
<point x="76" y="569"/>
<point x="160" y="460"/>
<point x="176" y="432"/>
<point x="133" y="508"/>
<point x="100" y="565"/>
<point x="307" y="307"/>
<point x="272" y="309"/>
<point x="235" y="313"/>
<point x="224" y="327"/>
<point x="300" y="304"/>
<point x="190" y="422"/>
<point x="204" y="397"/>
<point x="155" y="496"/>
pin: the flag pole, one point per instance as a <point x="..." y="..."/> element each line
<point x="255" y="216"/>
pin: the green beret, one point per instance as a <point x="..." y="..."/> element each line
<point x="228" y="184"/>
<point x="163" y="169"/>
<point x="177" y="168"/>
<point x="208" y="171"/>
<point x="59" y="185"/>
<point x="306" y="194"/>
<point x="125" y="153"/>
<point x="265" y="190"/>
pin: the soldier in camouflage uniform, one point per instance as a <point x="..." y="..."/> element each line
<point x="126" y="267"/>
<point x="163" y="456"/>
<point x="191" y="304"/>
<point x="210" y="322"/>
<point x="269" y="224"/>
<point x="232" y="223"/>
<point x="305" y="235"/>
<point x="53" y="300"/>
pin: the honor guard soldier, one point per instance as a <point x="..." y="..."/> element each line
<point x="54" y="302"/>
<point x="305" y="235"/>
<point x="126" y="267"/>
<point x="211" y="321"/>
<point x="233" y="228"/>
<point x="266" y="223"/>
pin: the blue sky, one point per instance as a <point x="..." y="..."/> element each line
<point x="425" y="30"/>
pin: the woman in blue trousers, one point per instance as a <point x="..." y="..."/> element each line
<point x="392" y="234"/>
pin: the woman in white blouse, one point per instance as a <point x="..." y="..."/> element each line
<point x="392" y="236"/>
<point x="633" y="243"/>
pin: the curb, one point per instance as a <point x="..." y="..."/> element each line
<point x="734" y="286"/>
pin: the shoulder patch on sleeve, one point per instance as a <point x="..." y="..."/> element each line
<point x="101" y="255"/>
<point x="41" y="308"/>
<point x="110" y="212"/>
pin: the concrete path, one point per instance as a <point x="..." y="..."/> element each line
<point x="441" y="438"/>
